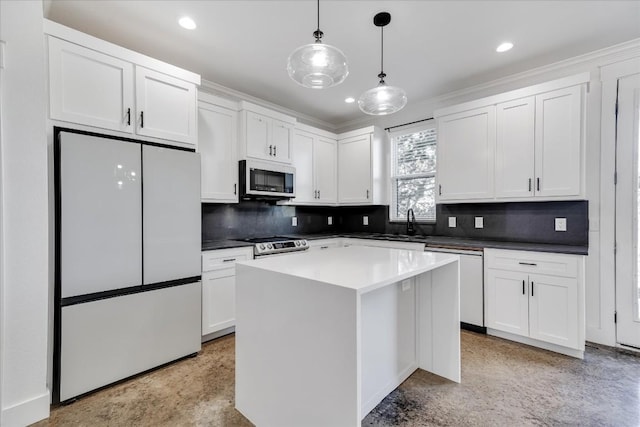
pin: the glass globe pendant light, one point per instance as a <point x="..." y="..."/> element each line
<point x="317" y="65"/>
<point x="382" y="99"/>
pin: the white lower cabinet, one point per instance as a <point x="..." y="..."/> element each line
<point x="219" y="289"/>
<point x="536" y="298"/>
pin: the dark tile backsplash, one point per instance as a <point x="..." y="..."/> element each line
<point x="518" y="222"/>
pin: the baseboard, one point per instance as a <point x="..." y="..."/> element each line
<point x="27" y="412"/>
<point x="536" y="343"/>
<point x="218" y="334"/>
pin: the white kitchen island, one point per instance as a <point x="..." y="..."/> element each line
<point x="322" y="337"/>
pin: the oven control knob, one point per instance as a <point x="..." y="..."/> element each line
<point x="297" y="242"/>
<point x="261" y="247"/>
<point x="304" y="243"/>
<point x="269" y="246"/>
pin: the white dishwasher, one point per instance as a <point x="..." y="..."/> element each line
<point x="471" y="285"/>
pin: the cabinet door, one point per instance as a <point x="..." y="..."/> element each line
<point x="466" y="155"/>
<point x="303" y="162"/>
<point x="89" y="88"/>
<point x="515" y="148"/>
<point x="471" y="290"/>
<point x="507" y="301"/>
<point x="553" y="308"/>
<point x="558" y="139"/>
<point x="281" y="137"/>
<point x="257" y="136"/>
<point x="166" y="107"/>
<point x="354" y="170"/>
<point x="218" y="300"/>
<point x="324" y="164"/>
<point x="217" y="144"/>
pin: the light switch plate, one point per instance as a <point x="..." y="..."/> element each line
<point x="329" y="220"/>
<point x="294" y="221"/>
<point x="561" y="224"/>
<point x="365" y="220"/>
<point x="452" y="222"/>
<point x="479" y="222"/>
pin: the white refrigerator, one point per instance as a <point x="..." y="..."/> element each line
<point x="127" y="264"/>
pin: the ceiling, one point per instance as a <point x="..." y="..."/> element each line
<point x="431" y="47"/>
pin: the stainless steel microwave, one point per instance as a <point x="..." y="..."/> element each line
<point x="266" y="181"/>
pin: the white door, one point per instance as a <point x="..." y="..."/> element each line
<point x="466" y="155"/>
<point x="324" y="160"/>
<point x="281" y="136"/>
<point x="171" y="214"/>
<point x="100" y="216"/>
<point x="553" y="309"/>
<point x="354" y="170"/>
<point x="558" y="136"/>
<point x="217" y="144"/>
<point x="507" y="301"/>
<point x="166" y="107"/>
<point x="303" y="162"/>
<point x="515" y="148"/>
<point x="627" y="212"/>
<point x="89" y="87"/>
<point x="257" y="136"/>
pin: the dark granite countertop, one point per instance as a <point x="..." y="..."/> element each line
<point x="429" y="241"/>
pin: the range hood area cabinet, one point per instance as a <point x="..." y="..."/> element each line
<point x="363" y="167"/>
<point x="102" y="85"/>
<point x="315" y="157"/>
<point x="265" y="134"/>
<point x="523" y="145"/>
<point x="218" y="148"/>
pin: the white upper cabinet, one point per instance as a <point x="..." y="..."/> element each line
<point x="166" y="107"/>
<point x="314" y="155"/>
<point x="466" y="155"/>
<point x="98" y="84"/>
<point x="265" y="134"/>
<point x="217" y="144"/>
<point x="515" y="148"/>
<point x="527" y="144"/>
<point x="558" y="137"/>
<point x="362" y="167"/>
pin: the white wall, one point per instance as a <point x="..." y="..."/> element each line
<point x="25" y="274"/>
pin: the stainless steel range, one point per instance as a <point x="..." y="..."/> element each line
<point x="276" y="245"/>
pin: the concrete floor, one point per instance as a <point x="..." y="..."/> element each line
<point x="503" y="383"/>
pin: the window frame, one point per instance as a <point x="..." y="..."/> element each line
<point x="393" y="177"/>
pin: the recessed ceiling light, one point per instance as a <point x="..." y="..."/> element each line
<point x="350" y="100"/>
<point x="188" y="23"/>
<point x="504" y="47"/>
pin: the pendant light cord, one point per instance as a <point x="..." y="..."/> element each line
<point x="382" y="75"/>
<point x="317" y="33"/>
<point x="318" y="15"/>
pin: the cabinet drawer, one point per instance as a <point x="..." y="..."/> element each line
<point x="532" y="262"/>
<point x="225" y="258"/>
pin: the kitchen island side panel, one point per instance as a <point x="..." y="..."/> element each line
<point x="302" y="336"/>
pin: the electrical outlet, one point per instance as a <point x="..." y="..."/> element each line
<point x="452" y="222"/>
<point x="561" y="224"/>
<point x="294" y="221"/>
<point x="479" y="222"/>
<point x="365" y="220"/>
<point x="329" y="220"/>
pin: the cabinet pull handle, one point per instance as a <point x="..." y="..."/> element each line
<point x="528" y="263"/>
<point x="318" y="194"/>
<point x="235" y="189"/>
<point x="367" y="194"/>
<point x="529" y="184"/>
<point x="538" y="184"/>
<point x="324" y="247"/>
<point x="523" y="291"/>
<point x="271" y="150"/>
<point x="128" y="116"/>
<point x="141" y="119"/>
<point x="531" y="288"/>
<point x="228" y="260"/>
<point x="439" y="189"/>
<point x="275" y="153"/>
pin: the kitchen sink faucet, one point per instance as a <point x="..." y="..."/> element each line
<point x="411" y="222"/>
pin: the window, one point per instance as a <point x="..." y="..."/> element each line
<point x="413" y="173"/>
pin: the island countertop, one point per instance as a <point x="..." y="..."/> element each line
<point x="362" y="269"/>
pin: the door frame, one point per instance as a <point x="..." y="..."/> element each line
<point x="604" y="331"/>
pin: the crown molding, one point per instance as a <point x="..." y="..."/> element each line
<point x="236" y="95"/>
